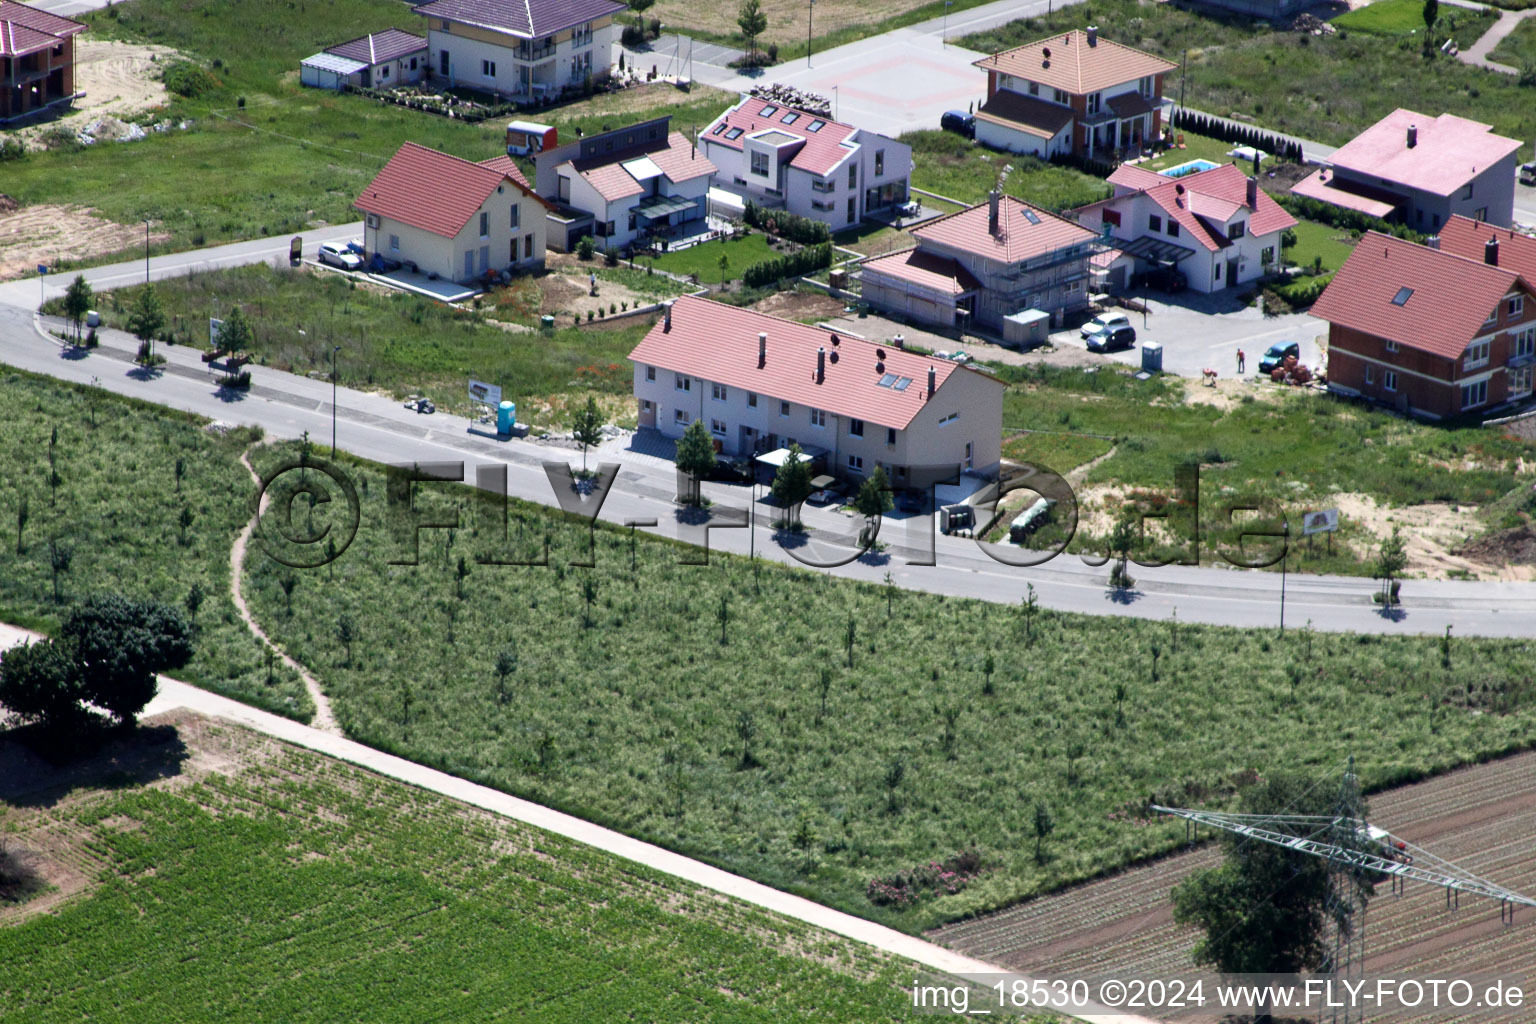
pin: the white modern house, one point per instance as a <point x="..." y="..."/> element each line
<point x="761" y="383"/>
<point x="453" y="218"/>
<point x="807" y="163"/>
<point x="639" y="181"/>
<point x="522" y="49"/>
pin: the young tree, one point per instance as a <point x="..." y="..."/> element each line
<point x="826" y="688"/>
<point x="184" y="523"/>
<point x="235" y="335"/>
<point x="1392" y="559"/>
<point x="588" y="594"/>
<point x="77" y="301"/>
<point x="724" y="263"/>
<point x="1431" y="15"/>
<point x="752" y="22"/>
<point x="23" y="513"/>
<point x="346" y="633"/>
<point x="890" y="593"/>
<point x="587" y="430"/>
<point x="60" y="556"/>
<point x="640" y="7"/>
<point x="872" y="501"/>
<point x="695" y="457"/>
<point x="1122" y="541"/>
<point x="196" y="595"/>
<point x="120" y="645"/>
<point x="792" y="484"/>
<point x="1044" y="826"/>
<point x="804" y="839"/>
<point x="850" y="635"/>
<point x="506" y="664"/>
<point x="723" y="613"/>
<point x="894" y="773"/>
<point x="147" y="318"/>
<point x="1031" y="605"/>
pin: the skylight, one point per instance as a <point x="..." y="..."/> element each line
<point x="901" y="383"/>
<point x="790" y="118"/>
<point x="769" y="110"/>
<point x="718" y="128"/>
<point x="816" y="125"/>
<point x="734" y="133"/>
<point x="1031" y="216"/>
<point x="1401" y="298"/>
<point x="887" y="380"/>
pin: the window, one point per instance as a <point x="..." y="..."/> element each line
<point x="717" y="427"/>
<point x="856" y="428"/>
<point x="564" y="192"/>
<point x="1391" y="346"/>
<point x="717" y="392"/>
<point x="1370" y="374"/>
<point x="816" y="125"/>
<point x="783" y="408"/>
<point x="442" y="61"/>
<point x="879" y="162"/>
<point x="853" y="175"/>
<point x="384" y="71"/>
<point x="650" y="373"/>
<point x="1477" y="355"/>
<point x="1402" y="296"/>
<point x="512" y="217"/>
<point x="751" y="400"/>
<point x="1474" y="395"/>
<point x="394" y="243"/>
<point x="680" y="417"/>
<point x="760" y="163"/>
<point x="1145" y="86"/>
<point x="1480" y="214"/>
<point x="631" y="220"/>
<point x="733" y="134"/>
<point x="413" y="63"/>
<point x="769" y="110"/>
<point x="790" y="118"/>
<point x="1173" y="228"/>
<point x="488" y="68"/>
<point x="1267" y="256"/>
<point x="681" y="383"/>
<point x="1466" y="193"/>
<point x="485" y="224"/>
<point x="947" y="420"/>
<point x="1238" y="230"/>
<point x="1493" y="316"/>
<point x="1154" y="222"/>
<point x="446" y="26"/>
<point x="1093" y="103"/>
<point x="1216" y="272"/>
<point x="818" y="418"/>
<point x="970" y="453"/>
<point x="856" y="462"/>
<point x="1112" y="217"/>
<point x="718" y="128"/>
<point x="1034" y="88"/>
<point x="1516" y="306"/>
<point x="1520" y="382"/>
<point x="1389" y="380"/>
<point x="1062" y="97"/>
<point x="527" y="247"/>
<point x="890" y="435"/>
<point x="824" y="205"/>
<point x="1525" y="342"/>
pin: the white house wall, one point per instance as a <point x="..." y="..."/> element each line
<point x="433" y="253"/>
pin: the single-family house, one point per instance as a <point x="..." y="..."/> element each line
<point x="787" y="158"/>
<point x="37" y="59"/>
<point x="1429" y="331"/>
<point x="527" y="50"/>
<point x="1072" y="93"/>
<point x="453" y="218"/>
<point x="760" y="383"/>
<point x="1216" y="227"/>
<point x="375" y="61"/>
<point x="984" y="265"/>
<point x="641" y="181"/>
<point x="1421" y="171"/>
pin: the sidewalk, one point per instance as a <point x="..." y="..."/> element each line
<point x="1477" y="53"/>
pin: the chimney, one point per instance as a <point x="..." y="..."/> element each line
<point x="994" y="199"/>
<point x="1093" y="35"/>
<point x="821" y="364"/>
<point x="901" y="343"/>
<point x="762" y="349"/>
<point x="1491" y="252"/>
<point x="1253" y="193"/>
<point x="932" y="386"/>
<point x="1413" y="135"/>
<point x="666" y="321"/>
<point x="1432" y="242"/>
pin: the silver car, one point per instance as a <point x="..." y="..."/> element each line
<point x="336" y="256"/>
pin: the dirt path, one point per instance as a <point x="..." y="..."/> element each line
<point x="324" y="720"/>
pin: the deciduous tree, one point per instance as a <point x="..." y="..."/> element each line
<point x="587" y="429"/>
<point x="695" y="457"/>
<point x="752" y="22"/>
<point x="77" y="301"/>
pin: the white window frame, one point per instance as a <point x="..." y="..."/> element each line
<point x="394" y="243"/>
<point x="1479" y="389"/>
<point x="1391" y="346"/>
<point x="759" y="157"/>
<point x="856" y="463"/>
<point x="947" y="420"/>
<point x="650" y="373"/>
<point x="1525" y="341"/>
<point x="1477" y="356"/>
<point x="514" y="217"/>
<point x="680" y="417"/>
<point x="718" y="392"/>
<point x="488" y="69"/>
<point x="717" y="427"/>
<point x="1370" y="374"/>
<point x="680" y="382"/>
<point x="1516" y="306"/>
<point x="1389" y="380"/>
<point x="818" y="417"/>
<point x="485" y="224"/>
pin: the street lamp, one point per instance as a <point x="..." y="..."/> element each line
<point x="146" y="252"/>
<point x="944" y="32"/>
<point x="334" y="350"/>
<point x="810" y="16"/>
<point x="1286" y="527"/>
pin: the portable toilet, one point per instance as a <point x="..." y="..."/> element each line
<point x="1152" y="356"/>
<point x="525" y="138"/>
<point x="506" y="417"/>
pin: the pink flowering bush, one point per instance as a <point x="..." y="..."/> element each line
<point x="936" y="878"/>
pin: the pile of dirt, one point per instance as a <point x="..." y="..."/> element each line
<point x="1515" y="546"/>
<point x="7" y="204"/>
<point x="1311" y="24"/>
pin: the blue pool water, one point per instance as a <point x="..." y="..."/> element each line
<point x="1192" y="167"/>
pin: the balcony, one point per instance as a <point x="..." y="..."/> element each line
<point x="1520" y="359"/>
<point x="534" y="53"/>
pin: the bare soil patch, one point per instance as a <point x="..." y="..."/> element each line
<point x="30" y="235"/>
<point x="120" y="80"/>
<point x="801" y="306"/>
<point x="786" y="18"/>
<point x="1438" y="537"/>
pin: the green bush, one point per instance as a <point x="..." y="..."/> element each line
<point x="185" y="78"/>
<point x="12" y="149"/>
<point x="815" y="257"/>
<point x="1302" y="291"/>
<point x="1338" y="217"/>
<point x="788" y="225"/>
<point x="586" y="248"/>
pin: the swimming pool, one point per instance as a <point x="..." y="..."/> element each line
<point x="1191" y="167"/>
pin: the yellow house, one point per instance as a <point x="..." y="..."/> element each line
<point x="523" y="49"/>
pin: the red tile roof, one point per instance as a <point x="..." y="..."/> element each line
<point x="1017" y="239"/>
<point x="674" y="156"/>
<point x="1466" y="237"/>
<point x="521" y="17"/>
<point x="1352" y="195"/>
<point x="1075" y="67"/>
<point x="1216" y="194"/>
<point x="823" y="149"/>
<point x="1447" y="301"/>
<point x="1027" y="113"/>
<point x="378" y="47"/>
<point x="1450" y="151"/>
<point x="1135" y="178"/>
<point x="926" y="269"/>
<point x="431" y="190"/>
<point x="25" y="30"/>
<point x="719" y="344"/>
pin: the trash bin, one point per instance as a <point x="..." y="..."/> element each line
<point x="92" y="319"/>
<point x="547" y="322"/>
<point x="1152" y="357"/>
<point x="506" y="417"/>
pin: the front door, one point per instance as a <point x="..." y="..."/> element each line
<point x="485" y="258"/>
<point x="647" y="413"/>
<point x="1232" y="271"/>
<point x="469" y="264"/>
<point x="367" y="78"/>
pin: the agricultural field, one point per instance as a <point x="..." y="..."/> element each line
<point x="196" y="861"/>
<point x="125" y="473"/>
<point x="1481" y="818"/>
<point x="1326" y="88"/>
<point x="264" y="156"/>
<point x="953" y="166"/>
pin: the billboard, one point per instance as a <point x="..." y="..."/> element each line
<point x="1326" y="521"/>
<point x="486" y="394"/>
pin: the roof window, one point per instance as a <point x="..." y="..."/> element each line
<point x="790" y="118"/>
<point x="816" y="125"/>
<point x="1401" y="298"/>
<point x="769" y="110"/>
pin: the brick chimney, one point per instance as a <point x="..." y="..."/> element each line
<point x="1413" y="135"/>
<point x="762" y="349"/>
<point x="994" y="200"/>
<point x="1093" y="35"/>
<point x="1253" y="193"/>
<point x="932" y="381"/>
<point x="666" y="320"/>
<point x="821" y="364"/>
<point x="1491" y="252"/>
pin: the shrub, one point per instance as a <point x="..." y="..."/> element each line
<point x="1338" y="217"/>
<point x="773" y="52"/>
<point x="586" y="248"/>
<point x="811" y="258"/>
<point x="185" y="78"/>
<point x="610" y="257"/>
<point x="788" y="225"/>
<point x="12" y="149"/>
<point x="655" y="26"/>
<point x="1303" y="291"/>
<point x="905" y="888"/>
<point x="632" y="36"/>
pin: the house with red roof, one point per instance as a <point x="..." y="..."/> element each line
<point x="378" y="60"/>
<point x="982" y="266"/>
<point x="761" y="383"/>
<point x="805" y="162"/>
<point x="524" y="50"/>
<point x="37" y="59"/>
<point x="1216" y="227"/>
<point x="1421" y="171"/>
<point x="639" y="182"/>
<point x="451" y="217"/>
<point x="1072" y="93"/>
<point x="1431" y="331"/>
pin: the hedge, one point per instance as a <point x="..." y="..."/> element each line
<point x="769" y="271"/>
<point x="1204" y="124"/>
<point x="788" y="225"/>
<point x="1302" y="291"/>
<point x="1308" y="208"/>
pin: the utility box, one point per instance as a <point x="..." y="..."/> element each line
<point x="1152" y="356"/>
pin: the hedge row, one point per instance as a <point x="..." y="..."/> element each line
<point x="769" y="271"/>
<point x="787" y="225"/>
<point x="1307" y="208"/>
<point x="1240" y="135"/>
<point x="1302" y="291"/>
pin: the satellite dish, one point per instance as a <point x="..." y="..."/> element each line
<point x="836" y="339"/>
<point x="879" y="353"/>
<point x="1179" y="189"/>
<point x="1046" y="52"/>
<point x="834" y="354"/>
<point x="879" y="367"/>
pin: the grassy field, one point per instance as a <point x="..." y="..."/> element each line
<point x="952" y="166"/>
<point x="283" y="885"/>
<point x="1518" y="49"/>
<point x="1320" y="241"/>
<point x="293" y="157"/>
<point x="400" y="342"/>
<point x="1326" y="88"/>
<point x="115" y="514"/>
<point x="1060" y="452"/>
<point x="1386" y="18"/>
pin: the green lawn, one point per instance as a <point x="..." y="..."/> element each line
<point x="1386" y="18"/>
<point x="288" y="886"/>
<point x="1313" y="241"/>
<point x="1326" y="88"/>
<point x="115" y="513"/>
<point x="704" y="260"/>
<point x="1061" y="452"/>
<point x="1518" y="49"/>
<point x="949" y="165"/>
<point x="1196" y="147"/>
<point x="293" y="157"/>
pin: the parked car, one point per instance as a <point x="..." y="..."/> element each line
<point x="825" y="496"/>
<point x="1105" y="322"/>
<point x="1108" y="341"/>
<point x="959" y="122"/>
<point x="732" y="471"/>
<point x="336" y="256"/>
<point x="356" y="245"/>
<point x="1528" y="174"/>
<point x="1275" y="355"/>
